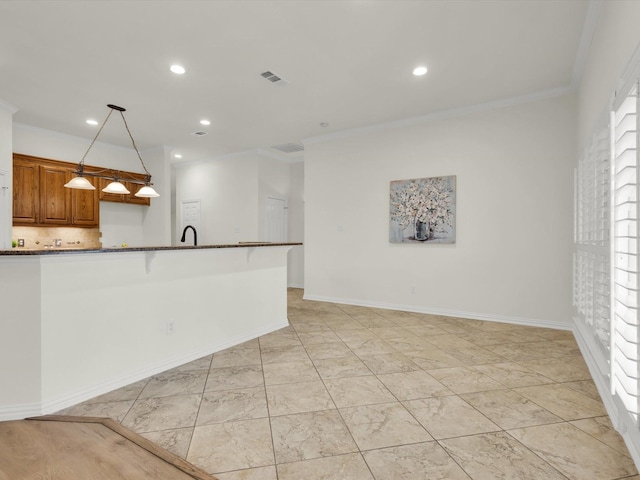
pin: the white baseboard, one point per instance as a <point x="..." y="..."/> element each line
<point x="531" y="322"/>
<point x="17" y="412"/>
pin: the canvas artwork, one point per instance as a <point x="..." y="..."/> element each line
<point x="423" y="210"/>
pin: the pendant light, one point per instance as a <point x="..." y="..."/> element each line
<point x="115" y="187"/>
<point x="80" y="183"/>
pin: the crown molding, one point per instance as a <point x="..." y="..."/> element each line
<point x="586" y="37"/>
<point x="229" y="156"/>
<point x="287" y="158"/>
<point x="67" y="136"/>
<point x="7" y="107"/>
<point x="442" y="115"/>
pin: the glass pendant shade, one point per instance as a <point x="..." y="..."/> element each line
<point x="116" y="187"/>
<point x="80" y="183"/>
<point x="147" y="192"/>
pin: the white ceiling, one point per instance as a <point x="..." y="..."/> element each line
<point x="348" y="63"/>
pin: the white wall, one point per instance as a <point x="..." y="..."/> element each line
<point x="156" y="219"/>
<point x="20" y="343"/>
<point x="296" y="226"/>
<point x="228" y="192"/>
<point x="616" y="37"/>
<point x="512" y="257"/>
<point x="53" y="356"/>
<point x="6" y="167"/>
<point x="119" y="223"/>
<point x="232" y="191"/>
<point x="274" y="180"/>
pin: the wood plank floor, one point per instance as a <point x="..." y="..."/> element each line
<point x="81" y="448"/>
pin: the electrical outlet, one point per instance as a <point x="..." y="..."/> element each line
<point x="171" y="327"/>
<point x="412" y="289"/>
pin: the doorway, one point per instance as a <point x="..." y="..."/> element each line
<point x="275" y="225"/>
<point x="189" y="215"/>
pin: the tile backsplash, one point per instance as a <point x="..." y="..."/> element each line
<point x="37" y="238"/>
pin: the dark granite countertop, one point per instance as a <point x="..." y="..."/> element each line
<point x="58" y="251"/>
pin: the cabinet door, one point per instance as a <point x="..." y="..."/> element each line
<point x="110" y="197"/>
<point x="25" y="193"/>
<point x="55" y="199"/>
<point x="85" y="206"/>
<point x="131" y="198"/>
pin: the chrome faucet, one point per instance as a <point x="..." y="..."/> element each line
<point x="195" y="235"/>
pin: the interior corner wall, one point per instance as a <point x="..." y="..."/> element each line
<point x="156" y="219"/>
<point x="616" y="37"/>
<point x="228" y="192"/>
<point x="512" y="256"/>
<point x="274" y="180"/>
<point x="6" y="166"/>
<point x="295" y="264"/>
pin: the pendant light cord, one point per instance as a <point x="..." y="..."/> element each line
<point x="96" y="137"/>
<point x="133" y="142"/>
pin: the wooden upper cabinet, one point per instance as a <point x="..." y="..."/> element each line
<point x="55" y="199"/>
<point x="126" y="198"/>
<point x="109" y="197"/>
<point x="26" y="197"/>
<point x="131" y="198"/>
<point x="41" y="199"/>
<point x="85" y="206"/>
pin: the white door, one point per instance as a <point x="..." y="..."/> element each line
<point x="190" y="215"/>
<point x="275" y="224"/>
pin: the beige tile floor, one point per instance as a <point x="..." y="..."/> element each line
<point x="354" y="393"/>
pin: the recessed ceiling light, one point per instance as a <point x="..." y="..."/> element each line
<point x="419" y="71"/>
<point x="91" y="121"/>
<point x="205" y="122"/>
<point x="324" y="124"/>
<point x="177" y="155"/>
<point x="179" y="69"/>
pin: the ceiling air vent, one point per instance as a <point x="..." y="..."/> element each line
<point x="199" y="133"/>
<point x="274" y="78"/>
<point x="289" y="147"/>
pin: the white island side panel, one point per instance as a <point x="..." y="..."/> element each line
<point x="105" y="316"/>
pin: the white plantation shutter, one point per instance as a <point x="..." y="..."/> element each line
<point x="591" y="263"/>
<point x="624" y="251"/>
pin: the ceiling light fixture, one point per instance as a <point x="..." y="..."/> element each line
<point x="419" y="71"/>
<point x="177" y="155"/>
<point x="177" y="69"/>
<point x="205" y="122"/>
<point x="80" y="182"/>
<point x="91" y="121"/>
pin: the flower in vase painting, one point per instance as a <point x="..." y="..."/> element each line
<point x="423" y="210"/>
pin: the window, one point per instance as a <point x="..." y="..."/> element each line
<point x="624" y="277"/>
<point x="605" y="287"/>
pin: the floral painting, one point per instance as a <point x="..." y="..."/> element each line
<point x="423" y="210"/>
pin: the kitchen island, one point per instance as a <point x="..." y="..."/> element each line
<point x="80" y="323"/>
